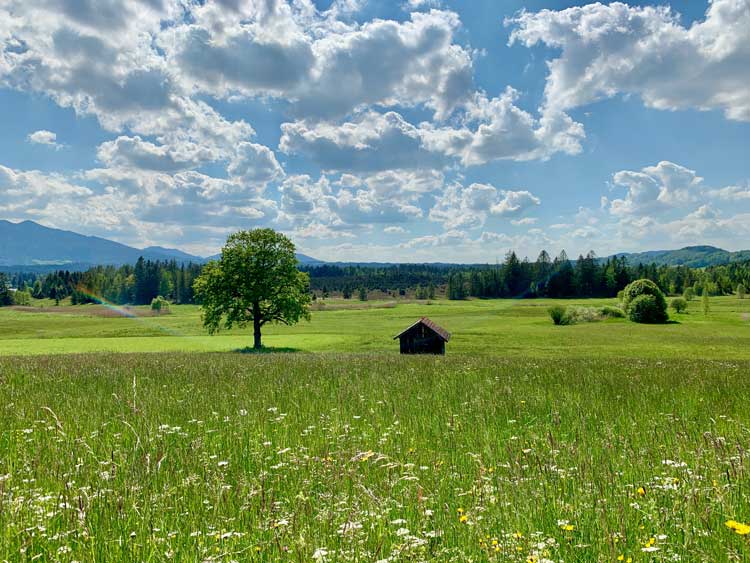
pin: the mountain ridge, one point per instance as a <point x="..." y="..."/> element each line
<point x="27" y="245"/>
<point x="30" y="245"/>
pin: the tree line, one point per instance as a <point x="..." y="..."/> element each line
<point x="135" y="284"/>
<point x="559" y="277"/>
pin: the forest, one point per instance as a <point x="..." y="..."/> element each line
<point x="559" y="277"/>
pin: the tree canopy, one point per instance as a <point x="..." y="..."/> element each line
<point x="255" y="280"/>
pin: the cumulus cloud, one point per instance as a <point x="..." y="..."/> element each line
<point x="469" y="207"/>
<point x="254" y="164"/>
<point x="494" y="130"/>
<point x="327" y="69"/>
<point x="655" y="188"/>
<point x="134" y="152"/>
<point x="44" y="137"/>
<point x="497" y="129"/>
<point x="620" y="49"/>
<point x="371" y="142"/>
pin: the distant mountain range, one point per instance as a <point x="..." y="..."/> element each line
<point x="693" y="256"/>
<point x="34" y="247"/>
<point x="29" y="245"/>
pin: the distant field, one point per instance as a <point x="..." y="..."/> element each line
<point x="372" y="457"/>
<point x="506" y="328"/>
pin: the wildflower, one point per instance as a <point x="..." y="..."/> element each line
<point x="738" y="527"/>
<point x="463" y="518"/>
<point x="641" y="491"/>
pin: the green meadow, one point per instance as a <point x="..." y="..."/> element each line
<point x="506" y="328"/>
<point x="144" y="439"/>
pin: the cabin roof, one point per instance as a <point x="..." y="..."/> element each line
<point x="434" y="327"/>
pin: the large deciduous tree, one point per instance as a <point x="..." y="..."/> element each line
<point x="256" y="281"/>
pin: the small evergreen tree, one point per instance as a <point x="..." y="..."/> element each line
<point x="741" y="291"/>
<point x="362" y="293"/>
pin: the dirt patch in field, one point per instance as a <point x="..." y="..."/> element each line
<point x="92" y="311"/>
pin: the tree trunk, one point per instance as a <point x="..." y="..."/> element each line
<point x="256" y="326"/>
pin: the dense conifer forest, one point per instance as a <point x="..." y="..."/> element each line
<point x="587" y="276"/>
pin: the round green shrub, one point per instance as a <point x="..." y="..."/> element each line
<point x="647" y="309"/>
<point x="645" y="287"/>
<point x="559" y="315"/>
<point x="679" y="305"/>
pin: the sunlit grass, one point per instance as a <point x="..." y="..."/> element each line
<point x="289" y="457"/>
<point x="493" y="327"/>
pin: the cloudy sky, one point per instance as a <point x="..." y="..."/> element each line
<point x="407" y="130"/>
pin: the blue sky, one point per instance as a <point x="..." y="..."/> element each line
<point x="413" y="130"/>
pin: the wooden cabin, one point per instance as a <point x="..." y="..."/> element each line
<point x="423" y="337"/>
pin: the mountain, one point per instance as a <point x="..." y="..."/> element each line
<point x="31" y="246"/>
<point x="693" y="256"/>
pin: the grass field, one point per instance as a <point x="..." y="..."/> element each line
<point x="528" y="442"/>
<point x="492" y="327"/>
<point x="299" y="457"/>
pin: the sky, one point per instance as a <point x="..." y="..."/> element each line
<point x="403" y="131"/>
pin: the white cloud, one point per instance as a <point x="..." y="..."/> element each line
<point x="493" y="130"/>
<point x="44" y="137"/>
<point x="468" y="207"/>
<point x="134" y="152"/>
<point x="655" y="188"/>
<point x="731" y="193"/>
<point x="254" y="164"/>
<point x="497" y="129"/>
<point x="371" y="142"/>
<point x="620" y="49"/>
<point x="327" y="69"/>
<point x="394" y="230"/>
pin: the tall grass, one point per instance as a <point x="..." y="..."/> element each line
<point x="228" y="457"/>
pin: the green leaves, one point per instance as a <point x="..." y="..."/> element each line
<point x="255" y="280"/>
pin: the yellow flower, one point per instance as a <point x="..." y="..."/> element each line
<point x="518" y="535"/>
<point x="738" y="527"/>
<point x="460" y="510"/>
<point x="641" y="491"/>
<point x="568" y="527"/>
<point x="463" y="519"/>
<point x="621" y="557"/>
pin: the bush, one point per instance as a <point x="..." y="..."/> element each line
<point x="679" y="304"/>
<point x="160" y="305"/>
<point x="620" y="295"/>
<point x="688" y="294"/>
<point x="650" y="310"/>
<point x="559" y="315"/>
<point x="582" y="315"/>
<point x="647" y="309"/>
<point x="612" y="312"/>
